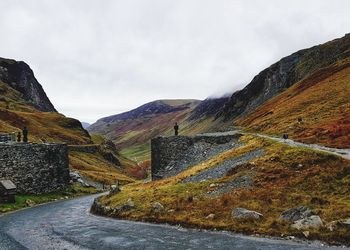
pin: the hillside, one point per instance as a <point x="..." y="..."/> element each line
<point x="23" y="102"/>
<point x="315" y="110"/>
<point x="257" y="174"/>
<point x="131" y="131"/>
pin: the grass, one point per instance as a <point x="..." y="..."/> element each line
<point x="71" y="191"/>
<point x="284" y="177"/>
<point x="95" y="167"/>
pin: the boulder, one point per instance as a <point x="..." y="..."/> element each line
<point x="114" y="190"/>
<point x="122" y="208"/>
<point x="297" y="213"/>
<point x="210" y="217"/>
<point x="334" y="225"/>
<point x="157" y="207"/>
<point x="130" y="203"/>
<point x="242" y="213"/>
<point x="312" y="222"/>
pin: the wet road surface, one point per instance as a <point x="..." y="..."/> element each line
<point x="69" y="225"/>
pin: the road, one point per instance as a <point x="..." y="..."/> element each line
<point x="342" y="152"/>
<point x="69" y="225"/>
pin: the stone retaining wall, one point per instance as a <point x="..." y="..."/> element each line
<point x="35" y="168"/>
<point x="165" y="150"/>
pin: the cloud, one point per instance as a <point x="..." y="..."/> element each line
<point x="96" y="58"/>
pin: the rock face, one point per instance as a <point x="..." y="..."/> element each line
<point x="295" y="214"/>
<point x="35" y="168"/>
<point x="20" y="77"/>
<point x="242" y="213"/>
<point x="282" y="75"/>
<point x="166" y="152"/>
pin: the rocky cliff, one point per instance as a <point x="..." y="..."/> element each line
<point x="283" y="74"/>
<point x="20" y="77"/>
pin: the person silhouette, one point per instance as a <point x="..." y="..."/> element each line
<point x="19" y="137"/>
<point x="25" y="134"/>
<point x="176" y="128"/>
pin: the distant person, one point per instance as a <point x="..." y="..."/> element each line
<point x="19" y="136"/>
<point x="285" y="136"/>
<point x="25" y="134"/>
<point x="176" y="128"/>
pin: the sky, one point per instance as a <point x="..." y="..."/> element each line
<point x="97" y="58"/>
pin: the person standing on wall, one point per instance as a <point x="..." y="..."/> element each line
<point x="176" y="128"/>
<point x="25" y="134"/>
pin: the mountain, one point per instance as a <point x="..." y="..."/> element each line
<point x="20" y="77"/>
<point x="132" y="130"/>
<point x="283" y="74"/>
<point x="286" y="85"/>
<point x="85" y="124"/>
<point x="23" y="102"/>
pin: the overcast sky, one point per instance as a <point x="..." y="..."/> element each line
<point x="97" y="58"/>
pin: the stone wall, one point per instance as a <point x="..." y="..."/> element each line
<point x="35" y="168"/>
<point x="167" y="151"/>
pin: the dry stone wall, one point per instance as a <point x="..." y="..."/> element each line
<point x="35" y="168"/>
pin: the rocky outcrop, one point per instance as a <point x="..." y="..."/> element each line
<point x="297" y="213"/>
<point x="283" y="74"/>
<point x="35" y="168"/>
<point x="20" y="77"/>
<point x="312" y="222"/>
<point x="242" y="213"/>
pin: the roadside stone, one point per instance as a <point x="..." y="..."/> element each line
<point x="242" y="213"/>
<point x="335" y="225"/>
<point x="306" y="234"/>
<point x="312" y="222"/>
<point x="122" y="208"/>
<point x="130" y="203"/>
<point x="30" y="203"/>
<point x="297" y="213"/>
<point x="157" y="207"/>
<point x="210" y="217"/>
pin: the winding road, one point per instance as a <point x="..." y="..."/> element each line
<point x="69" y="225"/>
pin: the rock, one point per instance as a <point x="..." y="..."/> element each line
<point x="334" y="225"/>
<point x="243" y="213"/>
<point x="312" y="222"/>
<point x="130" y="203"/>
<point x="306" y="234"/>
<point x="210" y="217"/>
<point x="122" y="208"/>
<point x="157" y="207"/>
<point x="295" y="214"/>
<point x="30" y="203"/>
<point x="114" y="190"/>
<point x="212" y="185"/>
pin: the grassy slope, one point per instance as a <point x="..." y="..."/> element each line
<point x="96" y="168"/>
<point x="321" y="100"/>
<point x="321" y="183"/>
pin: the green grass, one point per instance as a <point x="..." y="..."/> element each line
<point x="71" y="191"/>
<point x="138" y="153"/>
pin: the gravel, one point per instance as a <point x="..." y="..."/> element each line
<point x="220" y="170"/>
